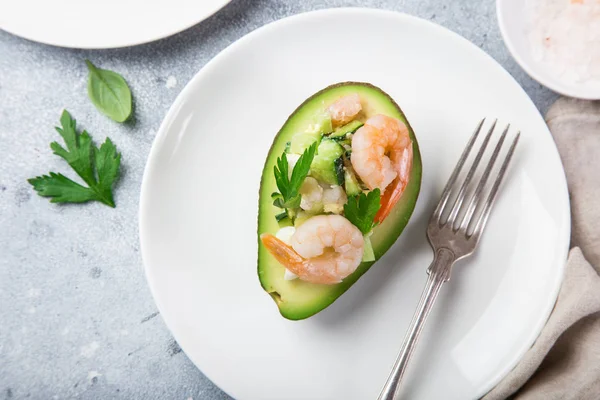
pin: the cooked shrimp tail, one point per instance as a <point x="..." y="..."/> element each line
<point x="325" y="249"/>
<point x="291" y="260"/>
<point x="395" y="190"/>
<point x="283" y="253"/>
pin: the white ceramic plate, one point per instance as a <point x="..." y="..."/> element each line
<point x="199" y="206"/>
<point x="89" y="24"/>
<point x="513" y="22"/>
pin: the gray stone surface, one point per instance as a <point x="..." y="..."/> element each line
<point x="76" y="317"/>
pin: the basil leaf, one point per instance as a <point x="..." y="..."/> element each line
<point x="109" y="92"/>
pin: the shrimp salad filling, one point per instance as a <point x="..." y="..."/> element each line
<point x="337" y="180"/>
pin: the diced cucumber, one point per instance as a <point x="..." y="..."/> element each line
<point x="351" y="183"/>
<point x="286" y="218"/>
<point x="345" y="141"/>
<point x="343" y="130"/>
<point x="368" y="253"/>
<point x="324" y="167"/>
<point x="281" y="216"/>
<point x="339" y="170"/>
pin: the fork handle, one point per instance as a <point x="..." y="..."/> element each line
<point x="439" y="272"/>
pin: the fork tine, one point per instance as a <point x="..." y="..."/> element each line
<point x="446" y="193"/>
<point x="476" y="195"/>
<point x="492" y="196"/>
<point x="465" y="185"/>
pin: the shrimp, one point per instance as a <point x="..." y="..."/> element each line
<point x="345" y="109"/>
<point x="312" y="195"/>
<point x="382" y="156"/>
<point x="334" y="199"/>
<point x="325" y="249"/>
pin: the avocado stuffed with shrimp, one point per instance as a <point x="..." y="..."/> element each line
<point x="338" y="187"/>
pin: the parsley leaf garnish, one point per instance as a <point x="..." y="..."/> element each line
<point x="361" y="210"/>
<point x="98" y="167"/>
<point x="289" y="187"/>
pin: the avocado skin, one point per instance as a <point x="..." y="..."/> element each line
<point x="297" y="299"/>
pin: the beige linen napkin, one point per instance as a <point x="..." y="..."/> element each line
<point x="564" y="362"/>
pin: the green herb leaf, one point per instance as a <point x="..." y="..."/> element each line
<point x="361" y="210"/>
<point x="61" y="189"/>
<point x="99" y="168"/>
<point x="293" y="202"/>
<point x="302" y="167"/>
<point x="290" y="186"/>
<point x="282" y="176"/>
<point x="281" y="216"/>
<point x="79" y="148"/>
<point x="278" y="201"/>
<point x="109" y="92"/>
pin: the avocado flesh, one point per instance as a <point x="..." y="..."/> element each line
<point x="351" y="184"/>
<point x="319" y="126"/>
<point x="298" y="299"/>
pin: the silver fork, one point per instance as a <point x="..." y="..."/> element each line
<point x="452" y="239"/>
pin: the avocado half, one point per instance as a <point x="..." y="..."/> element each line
<point x="298" y="299"/>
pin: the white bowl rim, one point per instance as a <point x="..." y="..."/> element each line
<point x="554" y="85"/>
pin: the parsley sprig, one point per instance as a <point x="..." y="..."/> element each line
<point x="289" y="187"/>
<point x="98" y="167"/>
<point x="361" y="210"/>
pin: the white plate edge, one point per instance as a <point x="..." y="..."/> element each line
<point x="119" y="45"/>
<point x="188" y="87"/>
